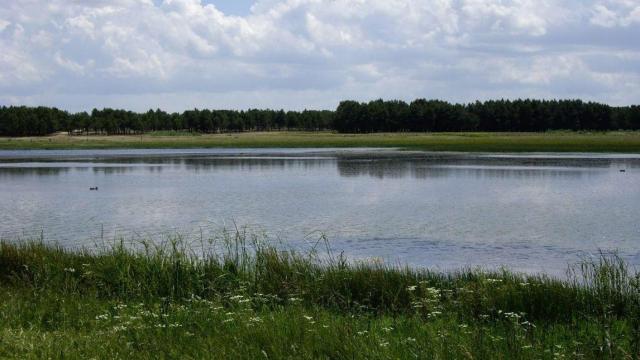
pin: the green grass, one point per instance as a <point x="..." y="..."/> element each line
<point x="172" y="133"/>
<point x="249" y="300"/>
<point x="557" y="141"/>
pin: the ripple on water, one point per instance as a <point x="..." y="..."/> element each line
<point x="531" y="212"/>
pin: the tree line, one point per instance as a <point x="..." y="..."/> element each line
<point x="350" y="117"/>
<point x="34" y="121"/>
<point x="493" y="115"/>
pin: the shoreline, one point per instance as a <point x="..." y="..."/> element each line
<point x="555" y="141"/>
<point x="301" y="152"/>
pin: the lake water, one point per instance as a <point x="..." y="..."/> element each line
<point x="530" y="212"/>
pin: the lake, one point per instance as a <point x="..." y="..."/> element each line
<point x="529" y="212"/>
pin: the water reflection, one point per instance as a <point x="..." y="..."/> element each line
<point x="17" y="172"/>
<point x="348" y="165"/>
<point x="421" y="170"/>
<point x="532" y="213"/>
<point x="110" y="170"/>
<point x="257" y="164"/>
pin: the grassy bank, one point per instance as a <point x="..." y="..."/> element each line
<point x="628" y="142"/>
<point x="251" y="301"/>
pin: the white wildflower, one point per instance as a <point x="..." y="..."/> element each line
<point x="433" y="291"/>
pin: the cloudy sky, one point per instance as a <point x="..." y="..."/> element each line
<point x="296" y="54"/>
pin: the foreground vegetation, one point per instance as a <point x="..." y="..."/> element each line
<point x="628" y="142"/>
<point x="236" y="298"/>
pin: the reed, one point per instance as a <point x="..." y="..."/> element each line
<point x="239" y="297"/>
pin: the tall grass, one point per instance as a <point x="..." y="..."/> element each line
<point x="598" y="305"/>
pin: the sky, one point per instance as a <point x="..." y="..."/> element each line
<point x="297" y="54"/>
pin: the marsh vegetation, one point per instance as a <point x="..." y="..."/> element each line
<point x="237" y="297"/>
<point x="556" y="141"/>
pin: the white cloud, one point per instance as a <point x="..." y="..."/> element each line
<point x="613" y="13"/>
<point x="3" y="24"/>
<point x="542" y="70"/>
<point x="602" y="16"/>
<point x="23" y="72"/>
<point x="73" y="54"/>
<point x="68" y="64"/>
<point x="83" y="25"/>
<point x="531" y="17"/>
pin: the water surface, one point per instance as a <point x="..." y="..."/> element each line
<point x="530" y="212"/>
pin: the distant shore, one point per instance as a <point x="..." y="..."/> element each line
<point x="555" y="141"/>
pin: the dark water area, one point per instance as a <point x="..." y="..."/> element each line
<point x="529" y="212"/>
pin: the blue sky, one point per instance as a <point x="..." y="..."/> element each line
<point x="296" y="54"/>
<point x="232" y="7"/>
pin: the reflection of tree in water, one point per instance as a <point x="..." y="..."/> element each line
<point x="119" y="170"/>
<point x="216" y="162"/>
<point x="11" y="172"/>
<point x="378" y="165"/>
<point x="143" y="160"/>
<point x="257" y="163"/>
<point x="376" y="168"/>
<point x="423" y="169"/>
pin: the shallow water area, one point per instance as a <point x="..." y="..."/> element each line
<point x="529" y="212"/>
